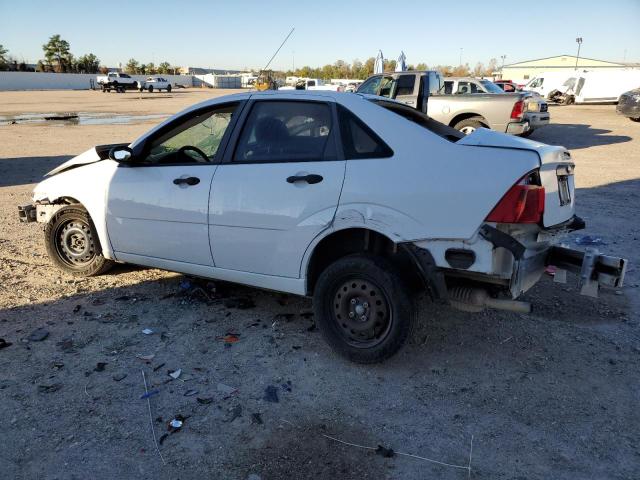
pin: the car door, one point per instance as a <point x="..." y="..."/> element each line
<point x="278" y="188"/>
<point x="157" y="205"/>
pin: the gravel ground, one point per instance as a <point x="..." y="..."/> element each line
<point x="553" y="394"/>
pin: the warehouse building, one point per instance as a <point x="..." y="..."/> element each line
<point x="522" y="72"/>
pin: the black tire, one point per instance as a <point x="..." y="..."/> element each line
<point x="369" y="286"/>
<point x="168" y="88"/>
<point x="150" y="88"/>
<point x="72" y="243"/>
<point x="569" y="100"/>
<point x="526" y="134"/>
<point x="469" y="125"/>
<point x="636" y="119"/>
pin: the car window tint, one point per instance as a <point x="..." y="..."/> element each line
<point x="370" y="86"/>
<point x="204" y="132"/>
<point x="386" y="87"/>
<point x="405" y="85"/>
<point x="358" y="140"/>
<point x="285" y="131"/>
<point x="448" y="87"/>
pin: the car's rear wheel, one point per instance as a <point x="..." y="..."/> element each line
<point x="469" y="125"/>
<point x="169" y="88"/>
<point x="150" y="88"/>
<point x="363" y="308"/>
<point x="636" y="119"/>
<point x="72" y="243"/>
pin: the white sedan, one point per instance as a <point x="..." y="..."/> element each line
<point x="154" y="83"/>
<point x="355" y="200"/>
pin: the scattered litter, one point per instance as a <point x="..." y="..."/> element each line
<point x="385" y="452"/>
<point x="4" y="343"/>
<point x="204" y="400"/>
<point x="256" y="418"/>
<point x="235" y="412"/>
<point x="38" y="335"/>
<point x="49" y="388"/>
<point x="175" y="374"/>
<point x="100" y="367"/>
<point x="119" y="376"/>
<point x="146" y="358"/>
<point x="271" y="394"/>
<point x="155" y="369"/>
<point x="147" y="331"/>
<point x="163" y="437"/>
<point x="589" y="240"/>
<point x="153" y="430"/>
<point x="230" y="338"/>
<point x="191" y="393"/>
<point x="149" y="394"/>
<point x="226" y="389"/>
<point x="176" y="423"/>
<point x="65" y="344"/>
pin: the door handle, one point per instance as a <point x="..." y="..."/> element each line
<point x="310" y="179"/>
<point x="187" y="181"/>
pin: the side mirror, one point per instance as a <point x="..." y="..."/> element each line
<point x="120" y="154"/>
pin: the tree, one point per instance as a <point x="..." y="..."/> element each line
<point x="492" y="67"/>
<point x="132" y="66"/>
<point x="164" y="68"/>
<point x="3" y="57"/>
<point x="88" y="63"/>
<point x="151" y="69"/>
<point x="57" y="53"/>
<point x="478" y="70"/>
<point x="422" y="66"/>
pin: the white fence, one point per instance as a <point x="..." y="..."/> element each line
<point x="218" y="81"/>
<point x="67" y="81"/>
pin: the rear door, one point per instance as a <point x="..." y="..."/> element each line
<point x="277" y="188"/>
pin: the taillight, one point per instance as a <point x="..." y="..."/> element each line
<point x="517" y="110"/>
<point x="523" y="203"/>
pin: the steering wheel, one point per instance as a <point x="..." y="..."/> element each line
<point x="186" y="148"/>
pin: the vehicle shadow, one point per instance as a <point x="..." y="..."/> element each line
<point x="26" y="170"/>
<point x="576" y="136"/>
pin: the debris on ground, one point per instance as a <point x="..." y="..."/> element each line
<point x="271" y="394"/>
<point x="176" y="423"/>
<point x="155" y="369"/>
<point x="175" y="374"/>
<point x="226" y="389"/>
<point x="191" y="393"/>
<point x="4" y="343"/>
<point x="119" y="376"/>
<point x="204" y="400"/>
<point x="385" y="452"/>
<point x="38" y="335"/>
<point x="230" y="337"/>
<point x="589" y="240"/>
<point x="146" y="358"/>
<point x="77" y="308"/>
<point x="100" y="366"/>
<point x="149" y="394"/>
<point x="147" y="331"/>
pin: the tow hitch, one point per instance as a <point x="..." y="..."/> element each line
<point x="27" y="213"/>
<point x="593" y="268"/>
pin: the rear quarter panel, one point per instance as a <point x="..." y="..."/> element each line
<point x="494" y="108"/>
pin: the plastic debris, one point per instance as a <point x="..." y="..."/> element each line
<point x="271" y="394"/>
<point x="155" y="369"/>
<point x="175" y="423"/>
<point x="204" y="400"/>
<point x="146" y="358"/>
<point x="149" y="394"/>
<point x="100" y="367"/>
<point x="190" y="393"/>
<point x="226" y="389"/>
<point x="38" y="335"/>
<point x="4" y="343"/>
<point x="147" y="331"/>
<point x="589" y="240"/>
<point x="175" y="374"/>
<point x="230" y="338"/>
<point x="385" y="452"/>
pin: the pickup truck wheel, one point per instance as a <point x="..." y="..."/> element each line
<point x="168" y="88"/>
<point x="73" y="245"/>
<point x="150" y="88"/>
<point x="363" y="308"/>
<point x="469" y="125"/>
<point x="526" y="134"/>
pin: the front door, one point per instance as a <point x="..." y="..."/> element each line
<point x="158" y="204"/>
<point x="278" y="189"/>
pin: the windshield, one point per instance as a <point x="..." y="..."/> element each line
<point x="491" y="87"/>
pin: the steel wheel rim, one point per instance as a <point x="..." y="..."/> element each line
<point x="74" y="243"/>
<point x="361" y="312"/>
<point x="467" y="130"/>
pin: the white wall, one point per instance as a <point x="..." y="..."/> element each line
<point x="66" y="81"/>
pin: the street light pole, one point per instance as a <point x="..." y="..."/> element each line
<point x="579" y="42"/>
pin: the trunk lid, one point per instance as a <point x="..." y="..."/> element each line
<point x="556" y="171"/>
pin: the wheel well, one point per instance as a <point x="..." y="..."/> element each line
<point x="464" y="116"/>
<point x="359" y="240"/>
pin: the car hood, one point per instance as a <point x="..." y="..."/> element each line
<point x="94" y="154"/>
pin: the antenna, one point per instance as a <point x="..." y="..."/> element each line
<point x="281" y="45"/>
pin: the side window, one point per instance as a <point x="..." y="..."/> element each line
<point x="448" y="88"/>
<point x="312" y="83"/>
<point x="386" y="87"/>
<point x="203" y="133"/>
<point x="405" y="85"/>
<point x="286" y="131"/>
<point x="370" y="86"/>
<point x="358" y="140"/>
<point x="463" y="88"/>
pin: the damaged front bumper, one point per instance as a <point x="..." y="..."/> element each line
<point x="27" y="213"/>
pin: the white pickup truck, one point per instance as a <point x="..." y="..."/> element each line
<point x="155" y="83"/>
<point x="116" y="81"/>
<point x="313" y="84"/>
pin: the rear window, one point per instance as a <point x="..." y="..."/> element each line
<point x="358" y="140"/>
<point x="426" y="122"/>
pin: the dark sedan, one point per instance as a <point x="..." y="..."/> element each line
<point x="629" y="104"/>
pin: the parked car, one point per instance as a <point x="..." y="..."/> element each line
<point x="536" y="110"/>
<point x="116" y="81"/>
<point x="423" y="90"/>
<point x="546" y="82"/>
<point x="629" y="104"/>
<point x="155" y="83"/>
<point x="312" y="84"/>
<point x="358" y="201"/>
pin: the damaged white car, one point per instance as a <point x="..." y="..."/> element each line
<point x="355" y="200"/>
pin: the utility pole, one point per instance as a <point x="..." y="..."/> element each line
<point x="502" y="57"/>
<point x="579" y="42"/>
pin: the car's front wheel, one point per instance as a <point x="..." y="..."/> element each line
<point x="168" y="88"/>
<point x="363" y="308"/>
<point x="150" y="88"/>
<point x="72" y="243"/>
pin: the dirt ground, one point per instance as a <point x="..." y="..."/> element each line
<point x="553" y="394"/>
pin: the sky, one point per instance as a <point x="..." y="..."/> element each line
<point x="244" y="34"/>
